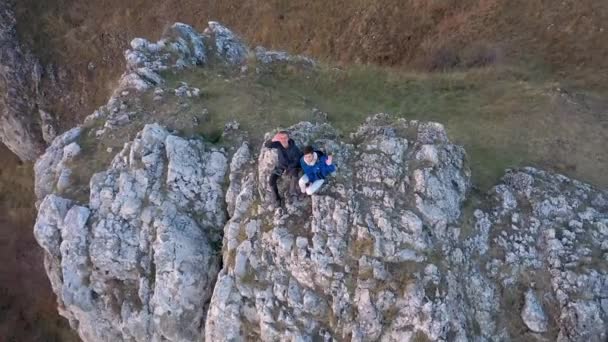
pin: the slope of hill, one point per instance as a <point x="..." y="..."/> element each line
<point x="562" y="40"/>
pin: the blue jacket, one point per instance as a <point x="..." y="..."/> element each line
<point x="318" y="171"/>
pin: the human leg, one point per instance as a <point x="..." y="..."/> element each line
<point x="315" y="186"/>
<point x="292" y="180"/>
<point x="302" y="183"/>
<point x="274" y="177"/>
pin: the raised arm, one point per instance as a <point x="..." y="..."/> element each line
<point x="275" y="142"/>
<point x="294" y="163"/>
<point x="327" y="165"/>
<point x="272" y="144"/>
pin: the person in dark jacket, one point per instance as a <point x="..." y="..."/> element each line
<point x="288" y="163"/>
<point x="317" y="166"/>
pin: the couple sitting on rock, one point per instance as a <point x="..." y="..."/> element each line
<point x="315" y="164"/>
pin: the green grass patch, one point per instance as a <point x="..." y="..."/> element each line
<point x="503" y="116"/>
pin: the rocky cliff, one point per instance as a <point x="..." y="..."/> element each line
<point x="176" y="239"/>
<point x="21" y="123"/>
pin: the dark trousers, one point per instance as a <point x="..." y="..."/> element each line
<point x="277" y="173"/>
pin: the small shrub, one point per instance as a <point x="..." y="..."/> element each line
<point x="443" y="59"/>
<point x="480" y="55"/>
<point x="445" y="56"/>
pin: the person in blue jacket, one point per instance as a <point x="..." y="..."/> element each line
<point x="317" y="166"/>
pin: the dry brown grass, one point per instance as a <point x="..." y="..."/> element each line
<point x="566" y="37"/>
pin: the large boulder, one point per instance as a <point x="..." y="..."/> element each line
<point x="139" y="260"/>
<point x="354" y="261"/>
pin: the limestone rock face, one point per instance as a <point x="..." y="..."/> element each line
<point x="384" y="252"/>
<point x="377" y="254"/>
<point x="549" y="233"/>
<point x="20" y="75"/>
<point x="180" y="47"/>
<point x="140" y="260"/>
<point x="355" y="260"/>
<point x="50" y="167"/>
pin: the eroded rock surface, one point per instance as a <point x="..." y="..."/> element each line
<point x="381" y="253"/>
<point x="356" y="261"/>
<point x="384" y="252"/>
<point x="140" y="260"/>
<point x="549" y="238"/>
<point x="20" y="72"/>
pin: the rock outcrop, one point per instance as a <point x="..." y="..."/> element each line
<point x="140" y="260"/>
<point x="20" y="73"/>
<point x="549" y="236"/>
<point x="178" y="241"/>
<point x="354" y="261"/>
